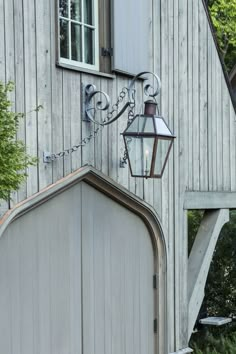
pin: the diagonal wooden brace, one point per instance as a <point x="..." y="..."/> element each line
<point x="200" y="260"/>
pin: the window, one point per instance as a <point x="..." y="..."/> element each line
<point x="78" y="33"/>
<point x="107" y="37"/>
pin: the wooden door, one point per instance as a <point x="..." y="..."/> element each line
<point x="76" y="278"/>
<point x="117" y="276"/>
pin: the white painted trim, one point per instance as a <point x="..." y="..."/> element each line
<point x="183" y="351"/>
<point x="210" y="200"/>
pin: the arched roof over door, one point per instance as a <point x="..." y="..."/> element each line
<point x="90" y="182"/>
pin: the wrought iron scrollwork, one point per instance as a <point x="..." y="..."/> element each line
<point x="91" y="106"/>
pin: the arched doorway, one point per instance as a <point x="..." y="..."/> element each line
<point x="76" y="272"/>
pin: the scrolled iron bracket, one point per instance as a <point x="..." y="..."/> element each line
<point x="90" y="109"/>
<point x="91" y="106"/>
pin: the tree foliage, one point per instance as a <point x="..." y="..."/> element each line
<point x="220" y="290"/>
<point x="223" y="13"/>
<point x="13" y="157"/>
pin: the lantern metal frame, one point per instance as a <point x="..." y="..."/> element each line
<point x="146" y="135"/>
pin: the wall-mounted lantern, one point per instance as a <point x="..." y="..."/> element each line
<point x="148" y="139"/>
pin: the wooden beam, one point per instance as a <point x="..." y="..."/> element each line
<point x="200" y="260"/>
<point x="210" y="200"/>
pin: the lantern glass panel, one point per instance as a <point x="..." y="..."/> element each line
<point x="141" y="124"/>
<point x="163" y="146"/>
<point x="140" y="152"/>
<point x="161" y="127"/>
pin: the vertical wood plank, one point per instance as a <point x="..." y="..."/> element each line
<point x="88" y="291"/>
<point x="112" y="136"/>
<point x="171" y="230"/>
<point x="5" y="306"/>
<point x="103" y="135"/>
<point x="203" y="109"/>
<point x="3" y="205"/>
<point x="88" y="150"/>
<point x="181" y="249"/>
<point x="20" y="78"/>
<point x="157" y="66"/>
<point x="213" y="117"/>
<point x="196" y="148"/>
<point x="2" y="42"/>
<point x="176" y="171"/>
<point x="219" y="128"/>
<point x="44" y="88"/>
<point x="191" y="115"/>
<point x="10" y="61"/>
<point x="165" y="106"/>
<point x="68" y="98"/>
<point x="9" y="43"/>
<point x="210" y="89"/>
<point x="232" y="147"/>
<point x="76" y="120"/>
<point x="226" y="135"/>
<point x="30" y="90"/>
<point x="123" y="173"/>
<point x="57" y="98"/>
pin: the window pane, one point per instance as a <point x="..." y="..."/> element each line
<point x="140" y="154"/>
<point x="89" y="45"/>
<point x="63" y="8"/>
<point x="64" y="38"/>
<point x="75" y="10"/>
<point x="76" y="42"/>
<point x="88" y="12"/>
<point x="162" y="150"/>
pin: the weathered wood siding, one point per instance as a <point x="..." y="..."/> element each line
<point x="71" y="283"/>
<point x="194" y="99"/>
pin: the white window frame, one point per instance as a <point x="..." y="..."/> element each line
<point x="75" y="63"/>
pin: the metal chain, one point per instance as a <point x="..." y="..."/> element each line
<point x="75" y="147"/>
<point x="116" y="105"/>
<point x="87" y="139"/>
<point x="123" y="160"/>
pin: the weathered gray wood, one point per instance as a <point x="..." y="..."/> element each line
<point x="203" y="108"/>
<point x="30" y="91"/>
<point x="57" y="98"/>
<point x="2" y="43"/>
<point x="126" y="27"/>
<point x="177" y="315"/>
<point x="19" y="80"/>
<point x="233" y="149"/>
<point x="44" y="89"/>
<point x="200" y="260"/>
<point x="210" y="200"/>
<point x="131" y="269"/>
<point x="196" y="79"/>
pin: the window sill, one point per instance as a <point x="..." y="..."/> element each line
<point x="86" y="71"/>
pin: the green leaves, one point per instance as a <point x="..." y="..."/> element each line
<point x="223" y="14"/>
<point x="13" y="157"/>
<point x="220" y="290"/>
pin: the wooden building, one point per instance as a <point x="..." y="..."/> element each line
<point x="93" y="260"/>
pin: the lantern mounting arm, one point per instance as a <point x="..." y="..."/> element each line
<point x="92" y="106"/>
